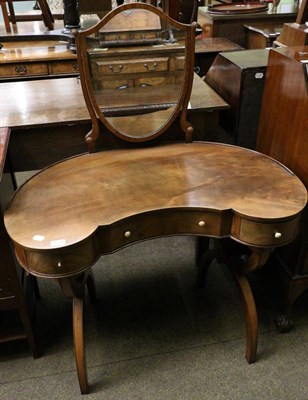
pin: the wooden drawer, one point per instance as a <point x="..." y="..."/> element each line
<point x="261" y="234"/>
<point x="23" y="69"/>
<point x="59" y="263"/>
<point x="64" y="67"/>
<point x="163" y="223"/>
<point x="113" y="84"/>
<point x="147" y="65"/>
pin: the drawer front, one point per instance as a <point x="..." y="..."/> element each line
<point x="180" y="63"/>
<point x="265" y="234"/>
<point x="59" y="263"/>
<point x="113" y="84"/>
<point x="163" y="223"/>
<point x="64" y="67"/>
<point x="132" y="66"/>
<point x="27" y="69"/>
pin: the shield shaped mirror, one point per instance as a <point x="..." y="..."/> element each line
<point x="136" y="71"/>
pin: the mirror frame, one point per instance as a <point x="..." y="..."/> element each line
<point x="92" y="106"/>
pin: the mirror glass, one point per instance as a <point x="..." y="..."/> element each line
<point x="136" y="64"/>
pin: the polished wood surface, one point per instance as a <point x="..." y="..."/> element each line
<point x="293" y="35"/>
<point x="34" y="108"/>
<point x="36" y="59"/>
<point x="242" y="87"/>
<point x="249" y="210"/>
<point x="283" y="128"/>
<point x="262" y="35"/>
<point x="65" y="217"/>
<point x="45" y="132"/>
<point x="206" y="50"/>
<point x="283" y="134"/>
<point x="23" y="51"/>
<point x="232" y="26"/>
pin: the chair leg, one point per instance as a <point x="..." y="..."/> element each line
<point x="5" y="17"/>
<point x="12" y="12"/>
<point x="46" y="14"/>
<point x="79" y="345"/>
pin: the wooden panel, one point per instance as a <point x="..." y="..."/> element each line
<point x="284" y="118"/>
<point x="293" y="35"/>
<point x="239" y="78"/>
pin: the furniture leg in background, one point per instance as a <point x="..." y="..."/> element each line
<point x="9" y="15"/>
<point x="17" y="290"/>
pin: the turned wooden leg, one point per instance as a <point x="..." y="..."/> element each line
<point x="6" y="18"/>
<point x="251" y="317"/>
<point x="79" y="345"/>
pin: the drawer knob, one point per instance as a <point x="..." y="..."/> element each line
<point x="127" y="234"/>
<point x="21" y="69"/>
<point x="59" y="264"/>
<point x="277" y="235"/>
<point x="201" y="223"/>
<point x="150" y="67"/>
<point x="116" y="69"/>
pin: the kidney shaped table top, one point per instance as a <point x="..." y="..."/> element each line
<point x="67" y="215"/>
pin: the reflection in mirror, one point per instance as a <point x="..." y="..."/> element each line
<point x="136" y="65"/>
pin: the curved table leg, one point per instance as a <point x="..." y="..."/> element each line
<point x="255" y="260"/>
<point x="251" y="317"/>
<point x="230" y="253"/>
<point x="74" y="288"/>
<point x="79" y="345"/>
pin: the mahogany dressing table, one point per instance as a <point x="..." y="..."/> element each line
<point x="68" y="215"/>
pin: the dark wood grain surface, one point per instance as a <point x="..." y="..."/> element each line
<point x="87" y="204"/>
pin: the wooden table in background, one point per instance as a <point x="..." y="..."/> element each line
<point x="49" y="119"/>
<point x="232" y="26"/>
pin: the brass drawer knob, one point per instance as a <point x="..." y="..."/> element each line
<point x="277" y="235"/>
<point x="21" y="69"/>
<point x="150" y="67"/>
<point x="116" y="69"/>
<point x="201" y="223"/>
<point x="127" y="234"/>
